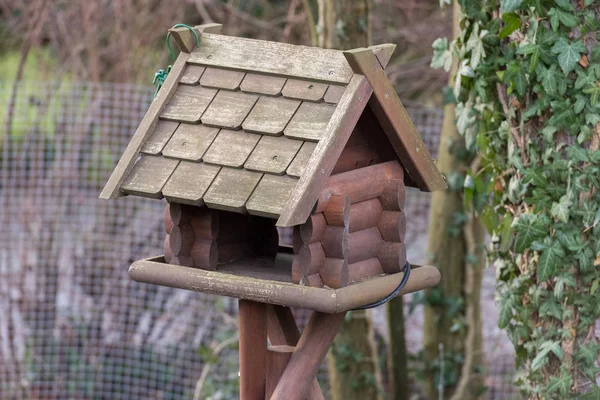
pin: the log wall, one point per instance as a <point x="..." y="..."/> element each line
<point x="203" y="238"/>
<point x="357" y="229"/>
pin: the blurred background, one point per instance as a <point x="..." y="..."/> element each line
<point x="76" y="79"/>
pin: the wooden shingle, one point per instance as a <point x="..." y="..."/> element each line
<point x="191" y="75"/>
<point x="222" y="78"/>
<point x="148" y="176"/>
<point x="160" y="136"/>
<point x="270" y="115"/>
<point x="310" y="121"/>
<point x="270" y="195"/>
<point x="229" y="109"/>
<point x="188" y="104"/>
<point x="189" y="182"/>
<point x="231" y="148"/>
<point x="297" y="166"/>
<point x="334" y="94"/>
<point x="190" y="142"/>
<point x="304" y="90"/>
<point x="273" y="154"/>
<point x="262" y="84"/>
<point x="231" y="189"/>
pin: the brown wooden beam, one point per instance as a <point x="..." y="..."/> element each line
<point x="253" y="349"/>
<point x="308" y="356"/>
<point x="395" y="121"/>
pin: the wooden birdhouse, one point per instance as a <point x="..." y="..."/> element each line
<point x="246" y="136"/>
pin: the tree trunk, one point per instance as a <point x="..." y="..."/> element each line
<point x="353" y="362"/>
<point x="397" y="354"/>
<point x="452" y="326"/>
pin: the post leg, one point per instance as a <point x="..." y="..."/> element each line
<point x="253" y="349"/>
<point x="308" y="356"/>
<point x="284" y="331"/>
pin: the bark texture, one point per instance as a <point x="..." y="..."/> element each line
<point x="457" y="250"/>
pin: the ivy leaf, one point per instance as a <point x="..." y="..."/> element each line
<point x="549" y="261"/>
<point x="442" y="58"/>
<point x="475" y="45"/>
<point x="541" y="357"/>
<point x="512" y="22"/>
<point x="568" y="53"/>
<point x="560" y="384"/>
<point x="561" y="209"/>
<point x="528" y="230"/>
<point x="510" y="5"/>
<point x="548" y="78"/>
<point x="566" y="18"/>
<point x="506" y="312"/>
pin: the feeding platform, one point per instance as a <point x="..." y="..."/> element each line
<point x="248" y="136"/>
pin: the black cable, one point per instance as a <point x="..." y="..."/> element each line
<point x="391" y="295"/>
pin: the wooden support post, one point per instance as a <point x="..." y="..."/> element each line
<point x="308" y="356"/>
<point x="278" y="357"/>
<point x="253" y="349"/>
<point x="284" y="331"/>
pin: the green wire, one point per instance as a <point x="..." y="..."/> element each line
<point x="161" y="75"/>
<point x="171" y="52"/>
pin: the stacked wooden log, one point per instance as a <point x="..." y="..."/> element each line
<point x="356" y="231"/>
<point x="203" y="238"/>
<point x="191" y="236"/>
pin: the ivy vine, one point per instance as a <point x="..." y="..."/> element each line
<point x="527" y="93"/>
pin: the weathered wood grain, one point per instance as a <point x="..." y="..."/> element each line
<point x="278" y="357"/>
<point x="222" y="78"/>
<point x="394" y="195"/>
<point x="364" y="244"/>
<point x="304" y="90"/>
<point x="273" y="154"/>
<point x="313" y="229"/>
<point x="148" y="176"/>
<point x="334" y="94"/>
<point x="112" y="188"/>
<point x="335" y="242"/>
<point x="191" y="75"/>
<point x="262" y="84"/>
<point x="323" y="159"/>
<point x="392" y="257"/>
<point x="337" y="211"/>
<point x="383" y="52"/>
<point x="270" y="195"/>
<point x="204" y="254"/>
<point x="229" y="109"/>
<point x="308" y="356"/>
<point x="392" y="226"/>
<point x="205" y="223"/>
<point x="310" y="121"/>
<point x="190" y="142"/>
<point x="355" y="157"/>
<point x="299" y="163"/>
<point x="252" y="318"/>
<point x="189" y="182"/>
<point x="231" y="189"/>
<point x="396" y="123"/>
<point x="231" y="148"/>
<point x="313" y="280"/>
<point x="270" y="115"/>
<point x="159" y="138"/>
<point x="272" y="58"/>
<point x="311" y="258"/>
<point x="181" y="239"/>
<point x="279" y="291"/>
<point x="359" y="184"/>
<point x="188" y="104"/>
<point x="364" y="215"/>
<point x="364" y="269"/>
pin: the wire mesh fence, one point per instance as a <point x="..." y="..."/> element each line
<point x="72" y="324"/>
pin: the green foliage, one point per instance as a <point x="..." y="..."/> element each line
<point x="527" y="98"/>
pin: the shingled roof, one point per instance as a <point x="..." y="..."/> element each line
<point x="239" y="123"/>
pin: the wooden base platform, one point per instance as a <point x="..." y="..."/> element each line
<point x="262" y="281"/>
